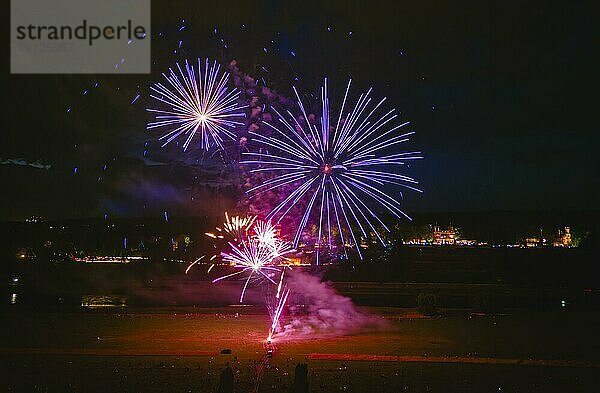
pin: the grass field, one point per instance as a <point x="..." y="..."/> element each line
<point x="178" y="349"/>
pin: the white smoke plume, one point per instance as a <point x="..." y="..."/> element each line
<point x="316" y="309"/>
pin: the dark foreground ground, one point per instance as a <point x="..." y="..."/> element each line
<point x="179" y="349"/>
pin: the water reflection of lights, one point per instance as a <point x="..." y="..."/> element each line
<point x="13" y="298"/>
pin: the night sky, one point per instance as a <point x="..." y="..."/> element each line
<point x="502" y="98"/>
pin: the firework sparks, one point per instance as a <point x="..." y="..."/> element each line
<point x="233" y="229"/>
<point x="266" y="233"/>
<point x="339" y="169"/>
<point x="199" y="102"/>
<point x="254" y="258"/>
<point x="237" y="227"/>
<point x="252" y="248"/>
<point x="276" y="314"/>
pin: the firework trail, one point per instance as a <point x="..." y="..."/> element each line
<point x="276" y="314"/>
<point x="193" y="263"/>
<point x="199" y="102"/>
<point x="280" y="284"/>
<point x="337" y="168"/>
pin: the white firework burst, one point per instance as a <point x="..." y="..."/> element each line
<point x="199" y="104"/>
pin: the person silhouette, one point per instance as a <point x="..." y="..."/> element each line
<point x="300" y="384"/>
<point x="226" y="381"/>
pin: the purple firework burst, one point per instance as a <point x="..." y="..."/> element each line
<point x="342" y="171"/>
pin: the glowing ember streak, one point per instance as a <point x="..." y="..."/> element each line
<point x="339" y="169"/>
<point x="193" y="263"/>
<point x="277" y="313"/>
<point x="280" y="283"/>
<point x="198" y="102"/>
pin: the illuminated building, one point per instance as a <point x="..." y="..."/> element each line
<point x="110" y="259"/>
<point x="563" y="239"/>
<point x="444" y="236"/>
<point x="533" y="242"/>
